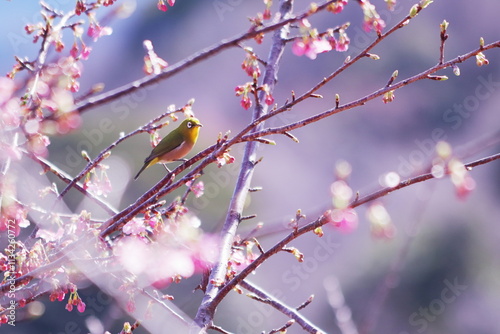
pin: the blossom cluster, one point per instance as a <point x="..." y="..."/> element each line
<point x="446" y="163"/>
<point x="311" y="42"/>
<point x="159" y="251"/>
<point x="342" y="216"/>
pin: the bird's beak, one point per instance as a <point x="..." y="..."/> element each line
<point x="200" y="125"/>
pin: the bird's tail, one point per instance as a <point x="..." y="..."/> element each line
<point x="141" y="170"/>
<point x="147" y="163"/>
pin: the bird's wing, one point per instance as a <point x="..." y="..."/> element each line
<point x="173" y="140"/>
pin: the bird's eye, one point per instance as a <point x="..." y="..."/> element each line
<point x="189" y="125"/>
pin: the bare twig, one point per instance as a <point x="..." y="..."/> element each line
<point x="323" y="219"/>
<point x="444" y="37"/>
<point x="48" y="166"/>
<point x="104" y="153"/>
<point x="359" y="102"/>
<point x="218" y="329"/>
<point x="283" y="328"/>
<point x="190" y="61"/>
<point x="306" y="303"/>
<point x="417" y="179"/>
<point x="42" y="55"/>
<point x="289" y="311"/>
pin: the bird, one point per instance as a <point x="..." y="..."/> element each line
<point x="174" y="146"/>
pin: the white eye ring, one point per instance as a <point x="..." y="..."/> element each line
<point x="189" y="125"/>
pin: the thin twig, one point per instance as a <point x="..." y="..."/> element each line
<point x="289" y="311"/>
<point x="218" y="329"/>
<point x="104" y="153"/>
<point x="283" y="328"/>
<point x="56" y="260"/>
<point x="190" y="61"/>
<point x="44" y="49"/>
<point x="48" y="166"/>
<point x="322" y="220"/>
<point x="359" y="102"/>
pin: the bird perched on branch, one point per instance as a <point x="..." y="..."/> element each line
<point x="175" y="145"/>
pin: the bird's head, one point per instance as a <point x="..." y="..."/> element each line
<point x="190" y="128"/>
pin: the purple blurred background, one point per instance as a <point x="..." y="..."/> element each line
<point x="450" y="278"/>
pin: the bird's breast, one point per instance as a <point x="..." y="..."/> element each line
<point x="177" y="153"/>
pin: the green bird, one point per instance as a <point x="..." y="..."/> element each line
<point x="175" y="145"/>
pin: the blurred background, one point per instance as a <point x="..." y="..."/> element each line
<point x="445" y="250"/>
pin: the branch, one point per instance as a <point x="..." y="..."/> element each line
<point x="104" y="153"/>
<point x="44" y="49"/>
<point x="210" y="154"/>
<point x="58" y="260"/>
<point x="206" y="310"/>
<point x="322" y="220"/>
<point x="48" y="166"/>
<point x="423" y="75"/>
<point x="289" y="311"/>
<point x="424" y="177"/>
<point x="361" y="55"/>
<point x="190" y="61"/>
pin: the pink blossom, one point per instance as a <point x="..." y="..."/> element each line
<point x="375" y="24"/>
<point x="131" y="305"/>
<point x="267" y="14"/>
<point x="343" y="42"/>
<point x="98" y="186"/>
<point x="299" y="47"/>
<point x="388" y="97"/>
<point x="74" y="50"/>
<point x="57" y="294"/>
<point x="372" y="20"/>
<point x="204" y="252"/>
<point x="251" y="65"/>
<point x="311" y="47"/>
<point x="85" y="51"/>
<point x="162" y="283"/>
<point x="80" y="7"/>
<point x="337" y="7"/>
<point x="380" y="221"/>
<point x="244" y="91"/>
<point x="134" y="227"/>
<point x="465" y="187"/>
<point x="269" y="99"/>
<point x="245" y="102"/>
<point x="197" y="189"/>
<point x="463" y="182"/>
<point x="346" y="220"/>
<point x="318" y="46"/>
<point x="73" y="86"/>
<point x="162" y="6"/>
<point x="241" y="258"/>
<point x="38" y="144"/>
<point x="96" y="31"/>
<point x="224" y="159"/>
<point x="81" y="306"/>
